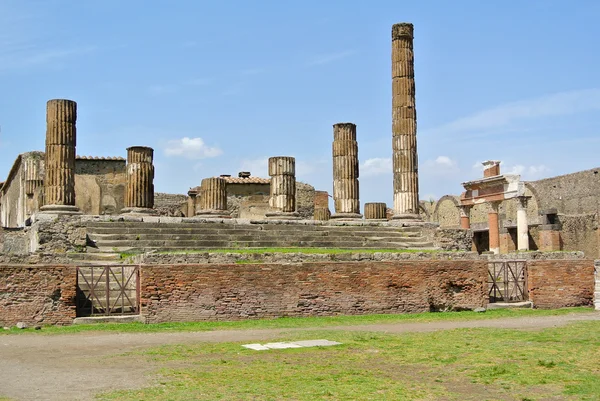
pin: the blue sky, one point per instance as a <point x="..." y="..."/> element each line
<point x="218" y="87"/>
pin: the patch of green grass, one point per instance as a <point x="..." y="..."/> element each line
<point x="333" y="251"/>
<point x="482" y="364"/>
<point x="299" y="322"/>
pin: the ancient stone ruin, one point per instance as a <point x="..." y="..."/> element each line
<point x="92" y="226"/>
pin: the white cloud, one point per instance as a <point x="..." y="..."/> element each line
<point x="329" y="58"/>
<point x="191" y="148"/>
<point x="527" y="173"/>
<point x="376" y="166"/>
<point x="441" y="166"/>
<point x="502" y="116"/>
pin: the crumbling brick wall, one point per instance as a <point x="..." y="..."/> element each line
<point x="560" y="283"/>
<point x="37" y="294"/>
<point x="237" y="291"/>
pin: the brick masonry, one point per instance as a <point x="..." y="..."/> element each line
<point x="560" y="283"/>
<point x="37" y="294"/>
<point x="238" y="291"/>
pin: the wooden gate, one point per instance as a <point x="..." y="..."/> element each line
<point x="507" y="281"/>
<point x="108" y="290"/>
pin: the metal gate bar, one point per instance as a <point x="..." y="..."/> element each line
<point x="507" y="281"/>
<point x="107" y="290"/>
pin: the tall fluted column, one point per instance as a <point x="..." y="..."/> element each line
<point x="345" y="172"/>
<point x="282" y="170"/>
<point x="404" y="125"/>
<point x="139" y="195"/>
<point x="59" y="180"/>
<point x="213" y="198"/>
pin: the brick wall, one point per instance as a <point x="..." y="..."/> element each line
<point x="560" y="283"/>
<point x="37" y="294"/>
<point x="237" y="291"/>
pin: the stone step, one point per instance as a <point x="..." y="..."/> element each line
<point x="104" y="238"/>
<point x="249" y="245"/>
<point x="243" y="230"/>
<point x="272" y="242"/>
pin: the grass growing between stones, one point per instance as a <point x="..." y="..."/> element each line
<point x="298" y="322"/>
<point x="464" y="364"/>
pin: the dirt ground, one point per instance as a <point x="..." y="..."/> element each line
<point x="77" y="366"/>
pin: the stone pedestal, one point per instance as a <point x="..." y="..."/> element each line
<point x="139" y="194"/>
<point x="345" y="172"/>
<point x="213" y="198"/>
<point x="404" y="125"/>
<point x="522" y="225"/>
<point x="322" y="214"/>
<point x="376" y="211"/>
<point x="61" y="134"/>
<point x="549" y="238"/>
<point x="494" y="229"/>
<point x="282" y="170"/>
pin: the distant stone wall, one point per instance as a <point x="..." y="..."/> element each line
<point x="576" y="193"/>
<point x="239" y="291"/>
<point x="58" y="235"/>
<point x="305" y="200"/>
<point x="100" y="185"/>
<point x="37" y="295"/>
<point x="174" y="205"/>
<point x="560" y="283"/>
<point x="580" y="232"/>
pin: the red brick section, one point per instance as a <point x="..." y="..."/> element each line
<point x="37" y="294"/>
<point x="560" y="283"/>
<point x="238" y="291"/>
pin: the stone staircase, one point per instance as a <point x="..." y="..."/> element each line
<point x="112" y="238"/>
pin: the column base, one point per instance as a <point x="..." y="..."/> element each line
<point x="346" y="216"/>
<point x="213" y="214"/>
<point x="139" y="210"/>
<point x="407" y="217"/>
<point x="60" y="209"/>
<point x="282" y="215"/>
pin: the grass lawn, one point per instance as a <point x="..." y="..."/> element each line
<point x="464" y="364"/>
<point x="291" y="322"/>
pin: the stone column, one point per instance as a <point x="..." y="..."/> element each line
<point x="191" y="202"/>
<point x="465" y="217"/>
<point x="139" y="194"/>
<point x="549" y="237"/>
<point x="376" y="211"/>
<point x="494" y="229"/>
<point x="345" y="172"/>
<point x="59" y="180"/>
<point x="213" y="198"/>
<point x="282" y="170"/>
<point x="522" y="225"/>
<point x="404" y="125"/>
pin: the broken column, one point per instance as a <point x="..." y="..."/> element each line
<point x="494" y="229"/>
<point x="522" y="225"/>
<point x="404" y="125"/>
<point x="213" y="198"/>
<point x="345" y="172"/>
<point x="375" y="211"/>
<point x="282" y="170"/>
<point x="59" y="180"/>
<point x="321" y="203"/>
<point x="139" y="194"/>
